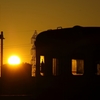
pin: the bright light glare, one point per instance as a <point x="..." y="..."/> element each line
<point x="14" y="60"/>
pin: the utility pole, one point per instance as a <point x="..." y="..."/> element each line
<point x="1" y="37"/>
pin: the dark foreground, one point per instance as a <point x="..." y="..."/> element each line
<point x="77" y="88"/>
<point x="16" y="97"/>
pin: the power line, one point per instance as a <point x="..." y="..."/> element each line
<point x="17" y="46"/>
<point x="20" y="31"/>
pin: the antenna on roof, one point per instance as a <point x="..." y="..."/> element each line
<point x="59" y="27"/>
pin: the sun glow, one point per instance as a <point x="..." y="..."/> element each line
<point x="14" y="60"/>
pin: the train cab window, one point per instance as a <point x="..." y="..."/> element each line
<point x="77" y="67"/>
<point x="42" y="65"/>
<point x="55" y="66"/>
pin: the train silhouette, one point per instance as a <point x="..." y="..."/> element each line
<point x="68" y="60"/>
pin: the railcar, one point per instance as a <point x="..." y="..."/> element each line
<point x="68" y="62"/>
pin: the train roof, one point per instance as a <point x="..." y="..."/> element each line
<point x="67" y="33"/>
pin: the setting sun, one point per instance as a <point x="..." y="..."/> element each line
<point x="14" y="60"/>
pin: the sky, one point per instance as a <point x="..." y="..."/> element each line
<point x="20" y="18"/>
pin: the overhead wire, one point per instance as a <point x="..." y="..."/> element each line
<point x="18" y="46"/>
<point x="26" y="56"/>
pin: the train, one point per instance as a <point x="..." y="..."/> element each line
<point x="68" y="62"/>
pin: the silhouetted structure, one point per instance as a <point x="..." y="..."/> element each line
<point x="1" y="62"/>
<point x="71" y="60"/>
<point x="64" y="45"/>
<point x="33" y="53"/>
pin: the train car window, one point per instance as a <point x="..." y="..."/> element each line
<point x="42" y="65"/>
<point x="98" y="69"/>
<point x="55" y="66"/>
<point x="77" y="67"/>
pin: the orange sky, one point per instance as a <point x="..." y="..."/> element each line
<point x="20" y="18"/>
